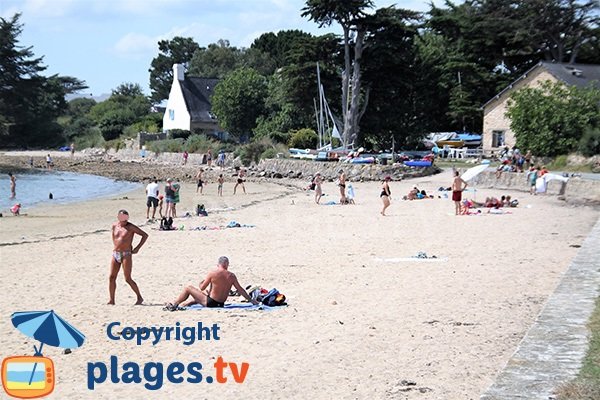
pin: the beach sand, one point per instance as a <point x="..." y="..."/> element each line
<point x="356" y="327"/>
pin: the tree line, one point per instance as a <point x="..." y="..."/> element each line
<point x="390" y="76"/>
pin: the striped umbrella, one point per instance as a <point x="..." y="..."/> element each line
<point x="48" y="328"/>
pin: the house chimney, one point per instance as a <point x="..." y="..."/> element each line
<point x="178" y="72"/>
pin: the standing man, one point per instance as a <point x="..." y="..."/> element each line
<point x="151" y="198"/>
<point x="13" y="185"/>
<point x="72" y="149"/>
<point x="458" y="185"/>
<point x="122" y="236"/>
<point x="49" y="162"/>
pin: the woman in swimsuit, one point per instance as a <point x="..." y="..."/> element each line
<point x="240" y="181"/>
<point x="342" y="185"/>
<point x="385" y="194"/>
<point x="318" y="190"/>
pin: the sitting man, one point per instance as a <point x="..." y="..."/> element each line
<point x="220" y="281"/>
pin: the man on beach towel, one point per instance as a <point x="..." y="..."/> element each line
<point x="218" y="282"/>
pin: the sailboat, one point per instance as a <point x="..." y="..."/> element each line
<point x="327" y="129"/>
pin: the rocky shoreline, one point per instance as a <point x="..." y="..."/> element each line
<point x="273" y="170"/>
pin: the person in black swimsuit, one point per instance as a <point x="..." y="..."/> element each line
<point x="385" y="194"/>
<point x="213" y="290"/>
<point x="240" y="181"/>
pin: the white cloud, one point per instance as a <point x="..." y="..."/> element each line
<point x="203" y="34"/>
<point x="42" y="8"/>
<point x="135" y="46"/>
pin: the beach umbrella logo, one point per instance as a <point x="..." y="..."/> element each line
<point x="28" y="377"/>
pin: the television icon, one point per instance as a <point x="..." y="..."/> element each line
<point x="28" y="377"/>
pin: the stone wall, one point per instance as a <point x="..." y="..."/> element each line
<point x="575" y="191"/>
<point x="291" y="168"/>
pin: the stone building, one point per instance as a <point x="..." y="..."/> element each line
<point x="496" y="125"/>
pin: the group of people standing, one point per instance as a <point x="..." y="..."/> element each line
<point x="155" y="200"/>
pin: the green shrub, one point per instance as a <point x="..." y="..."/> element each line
<point x="179" y="133"/>
<point x="304" y="139"/>
<point x="560" y="162"/>
<point x="166" y="146"/>
<point x="589" y="144"/>
<point x="141" y="126"/>
<point x="256" y="150"/>
<point x="114" y="144"/>
<point x="201" y="144"/>
<point x="269" y="153"/>
<point x="93" y="138"/>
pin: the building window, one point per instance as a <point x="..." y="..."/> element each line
<point x="171" y="114"/>
<point x="498" y="138"/>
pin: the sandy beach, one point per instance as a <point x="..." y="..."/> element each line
<point x="359" y="324"/>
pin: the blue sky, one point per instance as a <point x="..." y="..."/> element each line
<point x="109" y="42"/>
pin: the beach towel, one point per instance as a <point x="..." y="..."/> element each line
<point x="248" y="306"/>
<point x="411" y="259"/>
<point x="541" y="185"/>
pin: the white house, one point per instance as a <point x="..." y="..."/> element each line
<point x="189" y="103"/>
<point x="496" y="125"/>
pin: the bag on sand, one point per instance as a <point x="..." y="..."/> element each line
<point x="274" y="298"/>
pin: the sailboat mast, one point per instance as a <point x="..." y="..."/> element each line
<point x="320" y="126"/>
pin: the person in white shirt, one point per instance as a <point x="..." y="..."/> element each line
<point x="152" y="198"/>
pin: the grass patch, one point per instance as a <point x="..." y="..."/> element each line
<point x="587" y="384"/>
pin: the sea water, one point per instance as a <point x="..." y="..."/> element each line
<point x="34" y="188"/>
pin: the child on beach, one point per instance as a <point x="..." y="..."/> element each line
<point x="160" y="205"/>
<point x="16" y="209"/>
<point x="220" y="186"/>
<point x="532" y="176"/>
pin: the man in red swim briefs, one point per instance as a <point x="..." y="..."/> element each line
<point x="458" y="185"/>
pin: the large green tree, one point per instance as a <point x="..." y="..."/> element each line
<point x="390" y="80"/>
<point x="238" y="101"/>
<point x="215" y="61"/>
<point x="550" y="120"/>
<point x="178" y="50"/>
<point x="126" y="106"/>
<point x="351" y="16"/>
<point x="30" y="103"/>
<point x="293" y="89"/>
